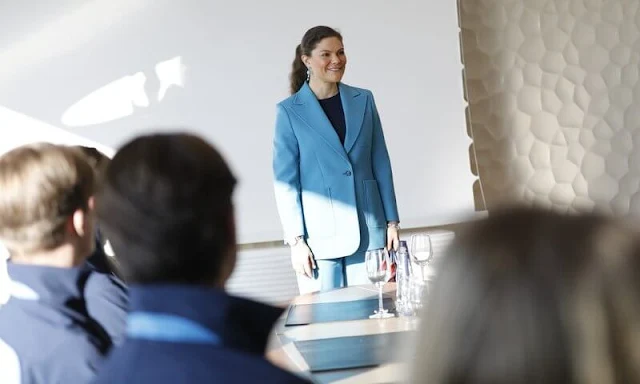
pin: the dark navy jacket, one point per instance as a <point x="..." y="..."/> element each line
<point x="241" y="325"/>
<point x="59" y="324"/>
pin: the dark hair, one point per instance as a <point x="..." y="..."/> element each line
<point x="97" y="160"/>
<point x="309" y="42"/>
<point x="531" y="296"/>
<point x="166" y="207"/>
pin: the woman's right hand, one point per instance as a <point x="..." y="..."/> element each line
<point x="302" y="259"/>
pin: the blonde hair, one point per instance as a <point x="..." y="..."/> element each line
<point x="41" y="186"/>
<point x="530" y="296"/>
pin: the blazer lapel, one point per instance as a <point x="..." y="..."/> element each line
<point x="354" y="104"/>
<point x="307" y="107"/>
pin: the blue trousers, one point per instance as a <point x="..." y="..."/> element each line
<point x="342" y="272"/>
<point x="336" y="273"/>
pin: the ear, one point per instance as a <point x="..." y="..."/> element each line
<point x="80" y="218"/>
<point x="233" y="249"/>
<point x="230" y="254"/>
<point x="306" y="60"/>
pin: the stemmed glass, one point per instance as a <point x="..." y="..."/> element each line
<point x="378" y="264"/>
<point x="421" y="250"/>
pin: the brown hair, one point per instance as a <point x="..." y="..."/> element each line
<point x="310" y="40"/>
<point x="531" y="296"/>
<point x="41" y="186"/>
<point x="166" y="208"/>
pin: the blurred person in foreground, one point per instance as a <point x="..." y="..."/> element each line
<point x="531" y="296"/>
<point x="62" y="317"/>
<point x="166" y="207"/>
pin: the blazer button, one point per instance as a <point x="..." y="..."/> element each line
<point x="347" y="173"/>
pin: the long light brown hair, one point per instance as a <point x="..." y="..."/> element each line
<point x="531" y="296"/>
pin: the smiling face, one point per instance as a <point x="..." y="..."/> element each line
<point x="327" y="61"/>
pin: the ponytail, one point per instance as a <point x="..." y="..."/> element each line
<point x="298" y="72"/>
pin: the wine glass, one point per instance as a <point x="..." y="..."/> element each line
<point x="417" y="290"/>
<point x="421" y="250"/>
<point x="378" y="265"/>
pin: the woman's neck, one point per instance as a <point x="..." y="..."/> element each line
<point x="322" y="89"/>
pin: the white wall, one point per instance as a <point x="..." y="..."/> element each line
<point x="99" y="72"/>
<point x="106" y="70"/>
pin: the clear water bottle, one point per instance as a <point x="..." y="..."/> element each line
<point x="403" y="280"/>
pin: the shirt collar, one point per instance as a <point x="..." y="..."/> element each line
<point x="240" y="323"/>
<point x="50" y="284"/>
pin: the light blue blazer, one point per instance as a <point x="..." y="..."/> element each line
<point x="338" y="197"/>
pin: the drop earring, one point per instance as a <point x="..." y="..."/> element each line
<point x="308" y="74"/>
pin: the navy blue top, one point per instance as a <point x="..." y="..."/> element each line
<point x="243" y="327"/>
<point x="58" y="322"/>
<point x="335" y="113"/>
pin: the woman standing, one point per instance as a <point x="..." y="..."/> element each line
<point x="333" y="180"/>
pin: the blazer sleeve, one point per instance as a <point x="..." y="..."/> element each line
<point x="382" y="167"/>
<point x="286" y="175"/>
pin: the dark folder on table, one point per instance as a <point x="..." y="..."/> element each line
<point x="304" y="314"/>
<point x="353" y="351"/>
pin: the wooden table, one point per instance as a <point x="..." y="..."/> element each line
<point x="283" y="352"/>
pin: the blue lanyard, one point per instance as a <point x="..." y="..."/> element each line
<point x="168" y="328"/>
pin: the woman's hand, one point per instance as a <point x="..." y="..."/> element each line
<point x="302" y="259"/>
<point x="393" y="236"/>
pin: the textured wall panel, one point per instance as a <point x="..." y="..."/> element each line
<point x="554" y="101"/>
